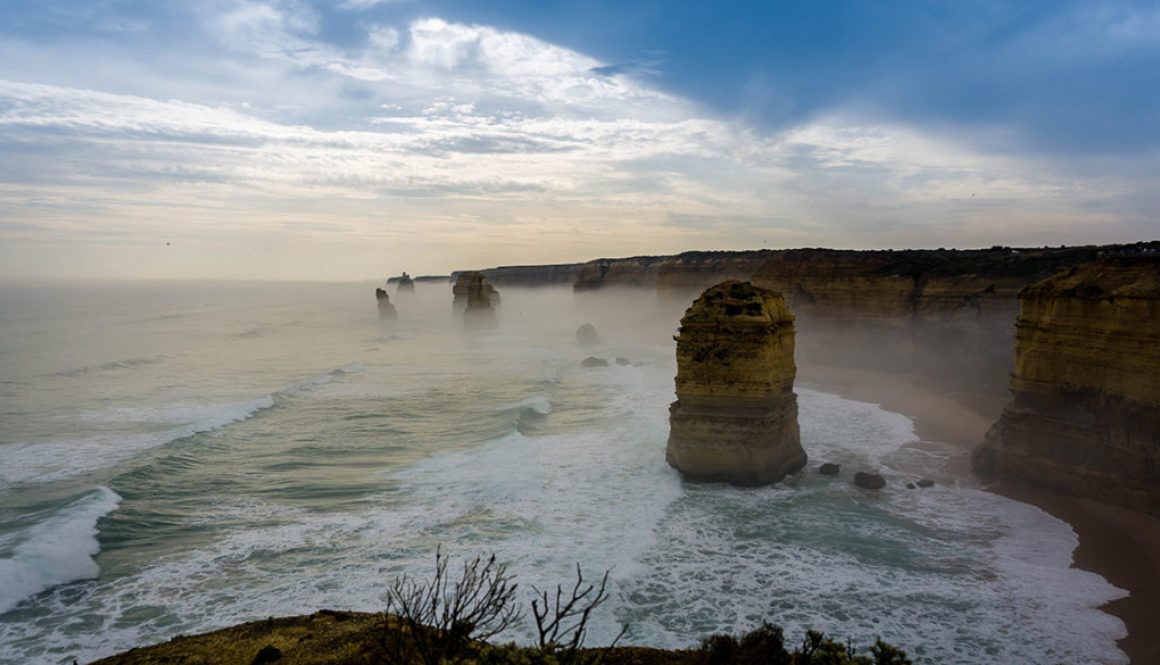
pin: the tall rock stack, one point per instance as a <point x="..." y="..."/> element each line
<point x="735" y="418"/>
<point x="386" y="309"/>
<point x="1084" y="415"/>
<point x="474" y="297"/>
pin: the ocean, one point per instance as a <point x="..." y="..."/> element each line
<point x="180" y="457"/>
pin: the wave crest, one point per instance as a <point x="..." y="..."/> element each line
<point x="56" y="550"/>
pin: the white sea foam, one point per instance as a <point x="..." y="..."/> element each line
<point x="863" y="433"/>
<point x="55" y="550"/>
<point x="56" y="460"/>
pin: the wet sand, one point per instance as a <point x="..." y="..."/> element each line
<point x="1121" y="545"/>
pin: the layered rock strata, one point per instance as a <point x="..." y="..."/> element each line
<point x="386" y="309"/>
<point x="1084" y="415"/>
<point x="474" y="298"/>
<point x="735" y="418"/>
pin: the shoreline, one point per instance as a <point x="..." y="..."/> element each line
<point x="1120" y="545"/>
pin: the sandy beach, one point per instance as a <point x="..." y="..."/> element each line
<point x="1121" y="545"/>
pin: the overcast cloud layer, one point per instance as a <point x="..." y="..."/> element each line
<point x="356" y="139"/>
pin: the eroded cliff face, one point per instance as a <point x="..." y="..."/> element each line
<point x="1084" y="415"/>
<point x="735" y="418"/>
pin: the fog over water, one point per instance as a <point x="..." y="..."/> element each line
<point x="178" y="457"/>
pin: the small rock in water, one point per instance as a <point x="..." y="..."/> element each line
<point x="910" y="486"/>
<point x="925" y="482"/>
<point x="586" y="334"/>
<point x="592" y="361"/>
<point x="870" y="481"/>
<point x="829" y="469"/>
<point x="620" y="360"/>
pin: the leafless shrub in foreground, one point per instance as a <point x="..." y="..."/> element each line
<point x="438" y="621"/>
<point x="562" y="622"/>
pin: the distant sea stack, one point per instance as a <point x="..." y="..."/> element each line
<point x="1084" y="415"/>
<point x="406" y="284"/>
<point x="475" y="298"/>
<point x="386" y="309"/>
<point x="735" y="418"/>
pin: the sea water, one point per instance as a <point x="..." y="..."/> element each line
<point x="176" y="458"/>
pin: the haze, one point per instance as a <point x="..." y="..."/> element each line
<point x="287" y="139"/>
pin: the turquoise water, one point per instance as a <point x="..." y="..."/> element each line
<point x="176" y="458"/>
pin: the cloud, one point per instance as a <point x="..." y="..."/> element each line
<point x="467" y="143"/>
<point x="269" y="29"/>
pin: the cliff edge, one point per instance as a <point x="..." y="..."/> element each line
<point x="1084" y="415"/>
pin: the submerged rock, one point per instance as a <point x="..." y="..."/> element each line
<point x="735" y="418"/>
<point x="925" y="483"/>
<point x="386" y="309"/>
<point x="829" y="469"/>
<point x="621" y="360"/>
<point x="592" y="361"/>
<point x="870" y="481"/>
<point x="586" y="335"/>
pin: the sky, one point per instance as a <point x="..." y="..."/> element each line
<point x="356" y="139"/>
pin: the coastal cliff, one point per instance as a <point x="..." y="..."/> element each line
<point x="944" y="315"/>
<point x="680" y="277"/>
<point x="546" y="275"/>
<point x="735" y="418"/>
<point x="1084" y="415"/>
<point x="635" y="272"/>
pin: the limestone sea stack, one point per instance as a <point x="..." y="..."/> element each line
<point x="475" y="298"/>
<point x="735" y="418"/>
<point x="1084" y="415"/>
<point x="386" y="309"/>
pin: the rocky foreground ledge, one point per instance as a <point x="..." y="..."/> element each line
<point x="324" y="638"/>
<point x="357" y="638"/>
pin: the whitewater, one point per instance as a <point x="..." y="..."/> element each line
<point x="180" y="457"/>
